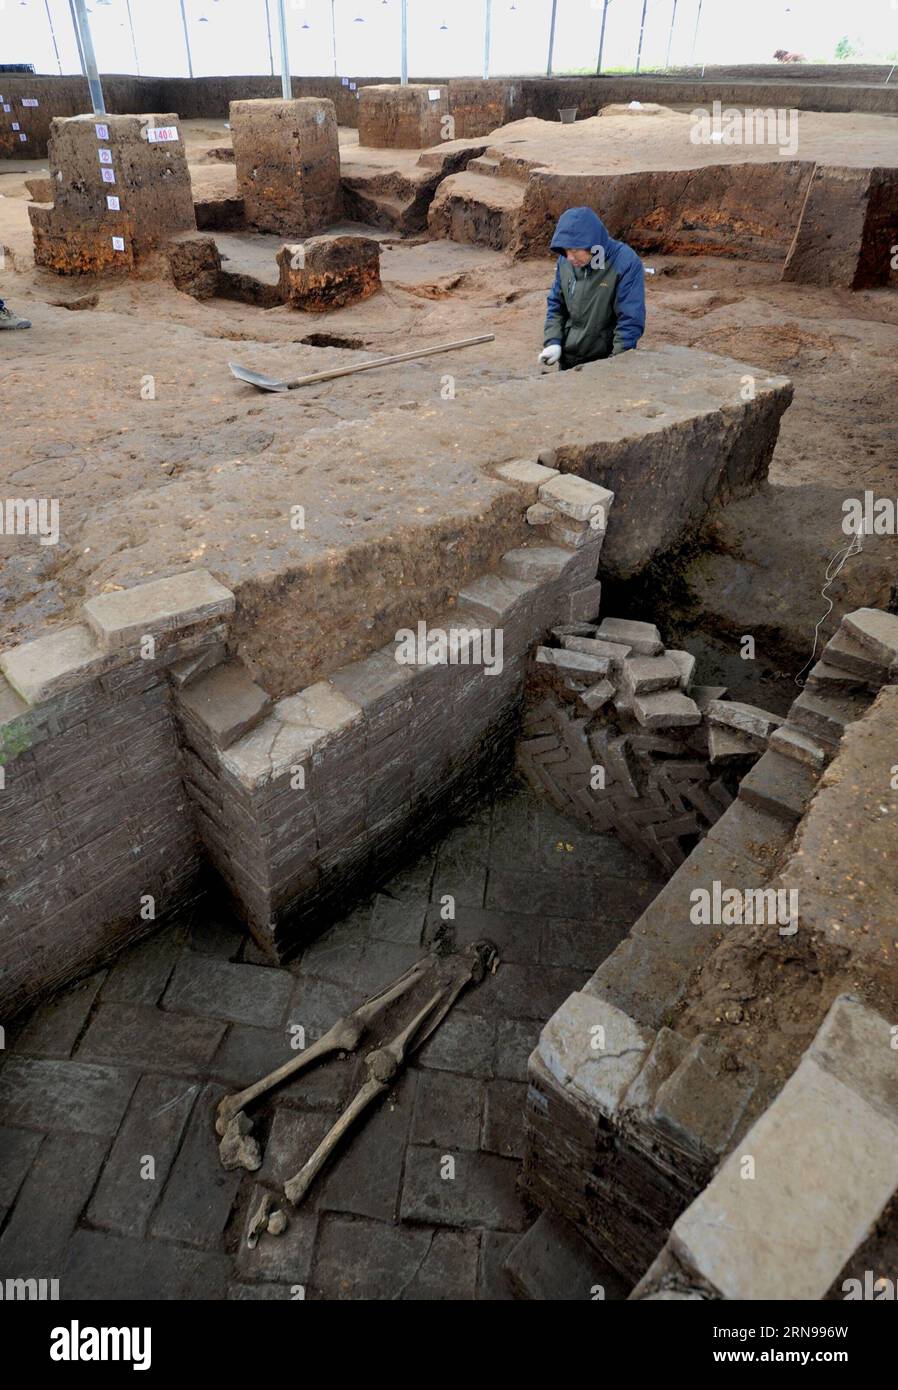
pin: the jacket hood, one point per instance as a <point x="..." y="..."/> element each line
<point x="580" y="227"/>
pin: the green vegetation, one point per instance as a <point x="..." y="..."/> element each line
<point x="15" y="738"/>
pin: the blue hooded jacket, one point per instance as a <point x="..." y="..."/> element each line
<point x="598" y="311"/>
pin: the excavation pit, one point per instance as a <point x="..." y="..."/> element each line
<point x="248" y="816"/>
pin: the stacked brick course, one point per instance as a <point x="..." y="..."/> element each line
<point x="99" y="843"/>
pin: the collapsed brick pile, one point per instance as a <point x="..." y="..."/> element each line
<point x="616" y="733"/>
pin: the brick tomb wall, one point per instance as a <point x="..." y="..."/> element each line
<point x="132" y="744"/>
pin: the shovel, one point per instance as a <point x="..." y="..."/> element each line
<point x="267" y="383"/>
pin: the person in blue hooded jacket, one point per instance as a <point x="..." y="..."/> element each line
<point x="596" y="307"/>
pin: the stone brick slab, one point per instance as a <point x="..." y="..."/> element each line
<point x="148" y="1039"/>
<point x="482" y="1192"/>
<point x="51" y="665"/>
<point x="249" y="994"/>
<point x="198" y="1196"/>
<point x="856" y="1044"/>
<point x="584" y="603"/>
<point x="757" y="724"/>
<point x="823" y="1158"/>
<point x="553" y="1263"/>
<point x="644" y="674"/>
<point x="843" y="652"/>
<point x="62" y="1095"/>
<point x="294" y="1135"/>
<point x="140" y="975"/>
<point x="541" y="563"/>
<point x="493" y="1284"/>
<point x="283" y="1259"/>
<point x="594" y="1048"/>
<point x="576" y="497"/>
<point x="515" y="1040"/>
<point x="227" y="703"/>
<point x="54" y="1028"/>
<point x="119" y="620"/>
<point x="503" y="1119"/>
<point x="643" y="639"/>
<point x="530" y="991"/>
<point x="250" y="1053"/>
<point x="753" y="834"/>
<point x="363" y="1178"/>
<point x="669" y="709"/>
<point x="526" y="475"/>
<point x="108" y="1268"/>
<point x="461" y="1044"/>
<point x="49" y="1203"/>
<point x="701" y="1103"/>
<point x="17" y="1150"/>
<point x="371" y="1260"/>
<point x="800" y="745"/>
<point x="876" y="631"/>
<point x="779" y="786"/>
<point x="318" y="1004"/>
<point x="448" y="1110"/>
<point x="152" y="1128"/>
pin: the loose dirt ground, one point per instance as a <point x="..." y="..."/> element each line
<point x="77" y="425"/>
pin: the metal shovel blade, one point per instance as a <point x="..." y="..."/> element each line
<point x="262" y="383"/>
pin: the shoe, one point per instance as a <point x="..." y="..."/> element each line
<point x="10" y="320"/>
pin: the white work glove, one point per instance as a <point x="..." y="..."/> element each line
<point x="550" y="355"/>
